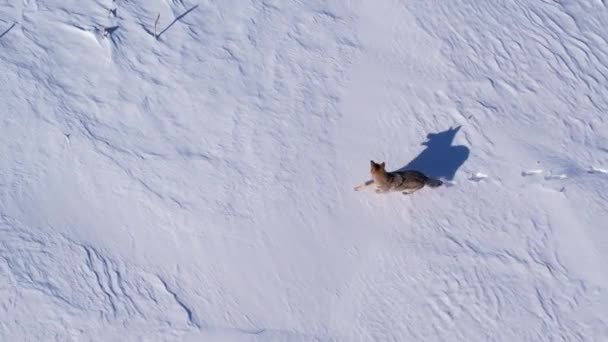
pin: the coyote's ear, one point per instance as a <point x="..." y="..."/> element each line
<point x="383" y="164"/>
<point x="372" y="163"/>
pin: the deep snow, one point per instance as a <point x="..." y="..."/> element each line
<point x="200" y="186"/>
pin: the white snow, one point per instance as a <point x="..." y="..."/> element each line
<point x="531" y="172"/>
<point x="199" y="186"/>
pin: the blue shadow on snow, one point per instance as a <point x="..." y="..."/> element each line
<point x="440" y="159"/>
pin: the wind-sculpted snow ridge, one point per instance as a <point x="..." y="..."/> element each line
<point x="495" y="256"/>
<point x="80" y="282"/>
<point x="95" y="292"/>
<point x="144" y="165"/>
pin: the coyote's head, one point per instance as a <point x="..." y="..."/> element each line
<point x="377" y="168"/>
<point x="442" y="139"/>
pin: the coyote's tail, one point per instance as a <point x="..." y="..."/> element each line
<point x="433" y="183"/>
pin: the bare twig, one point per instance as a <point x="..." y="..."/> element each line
<point x="7" y="30"/>
<point x="177" y="19"/>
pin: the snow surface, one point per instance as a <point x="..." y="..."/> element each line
<point x="199" y="186"/>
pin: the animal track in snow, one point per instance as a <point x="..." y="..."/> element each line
<point x="448" y="183"/>
<point x="548" y="175"/>
<point x="594" y="169"/>
<point x="531" y="172"/>
<point x="478" y="176"/>
<point x="556" y="176"/>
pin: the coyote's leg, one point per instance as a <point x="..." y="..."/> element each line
<point x="364" y="185"/>
<point x="409" y="191"/>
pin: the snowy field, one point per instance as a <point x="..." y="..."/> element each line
<point x="199" y="186"/>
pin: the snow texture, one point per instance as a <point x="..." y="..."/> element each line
<point x="198" y="185"/>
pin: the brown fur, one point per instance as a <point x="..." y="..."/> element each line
<point x="407" y="181"/>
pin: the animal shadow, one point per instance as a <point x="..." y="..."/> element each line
<point x="440" y="159"/>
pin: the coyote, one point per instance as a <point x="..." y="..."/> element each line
<point x="406" y="181"/>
